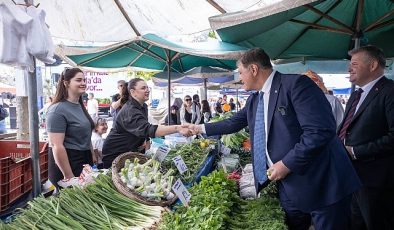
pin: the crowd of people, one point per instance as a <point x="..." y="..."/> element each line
<point x="333" y="167"/>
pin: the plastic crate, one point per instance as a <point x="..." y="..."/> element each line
<point x="16" y="170"/>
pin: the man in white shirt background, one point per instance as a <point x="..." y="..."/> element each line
<point x="93" y="107"/>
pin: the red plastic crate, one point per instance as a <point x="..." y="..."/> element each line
<point x="16" y="170"/>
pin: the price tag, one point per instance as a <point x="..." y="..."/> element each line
<point x="161" y="153"/>
<point x="225" y="150"/>
<point x="182" y="193"/>
<point x="180" y="164"/>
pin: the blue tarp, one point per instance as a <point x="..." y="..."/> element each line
<point x="195" y="81"/>
<point x="342" y="91"/>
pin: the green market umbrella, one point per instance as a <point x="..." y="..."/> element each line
<point x="325" y="29"/>
<point x="153" y="52"/>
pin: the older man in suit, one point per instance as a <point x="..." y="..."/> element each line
<point x="368" y="133"/>
<point x="294" y="142"/>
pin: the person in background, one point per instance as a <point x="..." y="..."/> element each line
<point x="206" y="111"/>
<point x="232" y="104"/>
<point x="336" y="105"/>
<point x="174" y="115"/>
<point x="69" y="128"/>
<point x="131" y="130"/>
<point x="196" y="111"/>
<point x="367" y="132"/>
<point x="119" y="99"/>
<point x="3" y="115"/>
<point x="186" y="110"/>
<point x="100" y="127"/>
<point x="218" y="107"/>
<point x="93" y="108"/>
<point x="43" y="112"/>
<point x="294" y="143"/>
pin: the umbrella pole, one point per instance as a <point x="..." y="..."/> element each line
<point x="33" y="129"/>
<point x="169" y="90"/>
<point x="205" y="89"/>
<point x="236" y="104"/>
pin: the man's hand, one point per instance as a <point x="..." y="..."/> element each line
<point x="195" y="129"/>
<point x="277" y="171"/>
<point x="185" y="131"/>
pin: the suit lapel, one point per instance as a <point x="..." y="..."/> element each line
<point x="371" y="95"/>
<point x="274" y="93"/>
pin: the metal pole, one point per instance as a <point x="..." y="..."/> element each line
<point x="205" y="89"/>
<point x="236" y="106"/>
<point x="33" y="129"/>
<point x="169" y="90"/>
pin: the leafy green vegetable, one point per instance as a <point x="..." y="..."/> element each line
<point x="209" y="207"/>
<point x="263" y="213"/>
<point x="193" y="154"/>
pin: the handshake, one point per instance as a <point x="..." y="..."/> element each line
<point x="188" y="130"/>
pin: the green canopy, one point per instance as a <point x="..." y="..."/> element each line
<point x="325" y="29"/>
<point x="153" y="52"/>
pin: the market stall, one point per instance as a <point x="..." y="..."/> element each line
<point x="179" y="184"/>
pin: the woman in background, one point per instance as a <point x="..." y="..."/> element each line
<point x="206" y="111"/>
<point x="186" y="110"/>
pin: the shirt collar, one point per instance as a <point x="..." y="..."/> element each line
<point x="366" y="88"/>
<point x="267" y="85"/>
<point x="136" y="103"/>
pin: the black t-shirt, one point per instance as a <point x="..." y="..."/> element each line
<point x="129" y="131"/>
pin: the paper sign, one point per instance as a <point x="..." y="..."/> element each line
<point x="181" y="191"/>
<point x="162" y="153"/>
<point x="225" y="150"/>
<point x="180" y="164"/>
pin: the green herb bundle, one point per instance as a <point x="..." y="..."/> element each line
<point x="193" y="154"/>
<point x="209" y="207"/>
<point x="263" y="213"/>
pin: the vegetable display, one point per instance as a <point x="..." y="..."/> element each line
<point x="98" y="206"/>
<point x="235" y="140"/>
<point x="193" y="154"/>
<point x="147" y="180"/>
<point x="263" y="213"/>
<point x="209" y="207"/>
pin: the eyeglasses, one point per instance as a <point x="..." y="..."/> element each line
<point x="188" y="99"/>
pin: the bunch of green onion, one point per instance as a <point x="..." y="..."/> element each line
<point x="147" y="180"/>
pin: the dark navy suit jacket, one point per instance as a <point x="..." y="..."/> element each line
<point x="301" y="133"/>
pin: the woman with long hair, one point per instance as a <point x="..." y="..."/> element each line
<point x="206" y="111"/>
<point x="196" y="111"/>
<point x="186" y="110"/>
<point x="119" y="99"/>
<point x="69" y="128"/>
<point x="131" y="132"/>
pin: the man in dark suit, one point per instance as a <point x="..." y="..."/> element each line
<point x="368" y="133"/>
<point x="301" y="150"/>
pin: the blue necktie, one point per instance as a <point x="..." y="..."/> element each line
<point x="259" y="157"/>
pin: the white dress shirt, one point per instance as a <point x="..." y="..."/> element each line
<point x="266" y="89"/>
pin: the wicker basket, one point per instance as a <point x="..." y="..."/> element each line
<point x="117" y="164"/>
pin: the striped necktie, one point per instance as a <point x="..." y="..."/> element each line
<point x="350" y="114"/>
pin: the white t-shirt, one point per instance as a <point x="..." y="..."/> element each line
<point x="97" y="143"/>
<point x="92" y="106"/>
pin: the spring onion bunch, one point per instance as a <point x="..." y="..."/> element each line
<point x="147" y="179"/>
